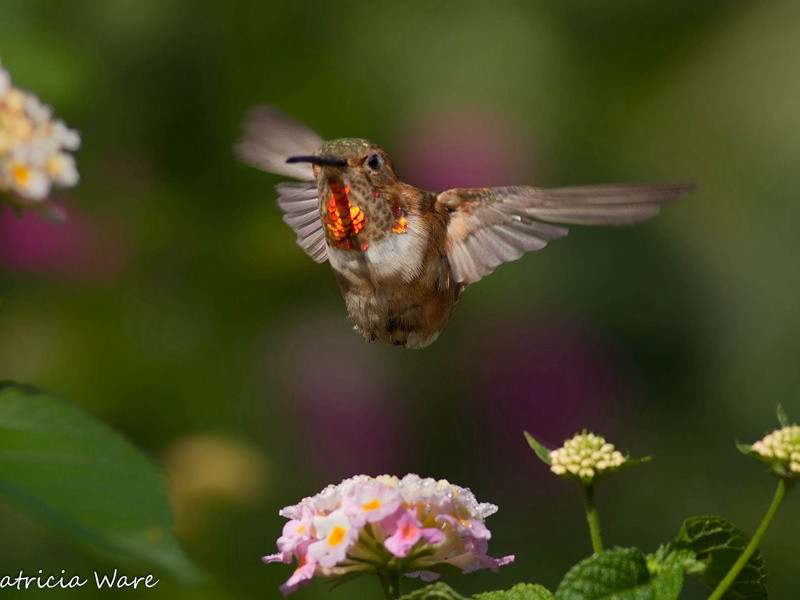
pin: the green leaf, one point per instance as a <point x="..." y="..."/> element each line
<point x="542" y="452"/>
<point x="521" y="591"/>
<point x="665" y="559"/>
<point x="783" y="418"/>
<point x="437" y="591"/>
<point x="619" y="574"/>
<point x="64" y="468"/>
<point x="718" y="543"/>
<point x="746" y="449"/>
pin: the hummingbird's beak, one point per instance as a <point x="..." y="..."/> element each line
<point x="318" y="160"/>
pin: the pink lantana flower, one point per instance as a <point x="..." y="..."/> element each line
<point x="295" y="533"/>
<point x="371" y="503"/>
<point x="336" y="534"/>
<point x="407" y="532"/>
<point x="386" y="526"/>
<point x="302" y="574"/>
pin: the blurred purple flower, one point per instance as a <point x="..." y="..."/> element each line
<point x="77" y="248"/>
<point x="343" y="399"/>
<point x="548" y="375"/>
<point x="463" y="147"/>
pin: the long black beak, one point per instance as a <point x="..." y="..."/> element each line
<point x="318" y="160"/>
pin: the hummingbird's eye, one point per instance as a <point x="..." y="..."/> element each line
<point x="375" y="163"/>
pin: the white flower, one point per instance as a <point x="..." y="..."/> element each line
<point x="33" y="146"/>
<point x="371" y="502"/>
<point x="25" y="180"/>
<point x="781" y="449"/>
<point x="5" y="81"/>
<point x="335" y="534"/>
<point x="585" y="457"/>
<point x="66" y="137"/>
<point x="38" y="112"/>
<point x="61" y="168"/>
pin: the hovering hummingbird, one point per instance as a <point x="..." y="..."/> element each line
<point x="402" y="255"/>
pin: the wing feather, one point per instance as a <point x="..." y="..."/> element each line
<point x="300" y="206"/>
<point x="490" y="226"/>
<point x="269" y="137"/>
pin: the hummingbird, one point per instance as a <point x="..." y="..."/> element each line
<point x="402" y="255"/>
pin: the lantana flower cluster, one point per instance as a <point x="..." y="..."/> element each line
<point x="586" y="456"/>
<point x="781" y="449"/>
<point x="414" y="526"/>
<point x="34" y="147"/>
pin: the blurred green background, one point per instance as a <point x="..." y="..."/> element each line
<point x="175" y="306"/>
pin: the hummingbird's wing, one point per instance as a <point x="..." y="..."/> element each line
<point x="269" y="138"/>
<point x="300" y="205"/>
<point x="490" y="226"/>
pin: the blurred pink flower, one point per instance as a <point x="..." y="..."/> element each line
<point x="76" y="248"/>
<point x="463" y="147"/>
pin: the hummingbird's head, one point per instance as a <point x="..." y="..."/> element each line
<point x="358" y="191"/>
<point x="349" y="160"/>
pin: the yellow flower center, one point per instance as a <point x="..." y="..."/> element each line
<point x="371" y="505"/>
<point x="20" y="173"/>
<point x="337" y="536"/>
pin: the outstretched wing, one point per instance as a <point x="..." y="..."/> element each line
<point x="269" y="138"/>
<point x="490" y="226"/>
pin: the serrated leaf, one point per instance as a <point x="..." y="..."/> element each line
<point x="521" y="591"/>
<point x="718" y="543"/>
<point x="64" y="468"/>
<point x="783" y="418"/>
<point x="619" y="574"/>
<point x="542" y="452"/>
<point x="665" y="559"/>
<point x="436" y="591"/>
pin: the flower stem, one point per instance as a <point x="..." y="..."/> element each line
<point x="390" y="580"/>
<point x="730" y="577"/>
<point x="592" y="518"/>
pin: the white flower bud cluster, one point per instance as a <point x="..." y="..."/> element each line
<point x="33" y="145"/>
<point x="585" y="456"/>
<point x="782" y="446"/>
